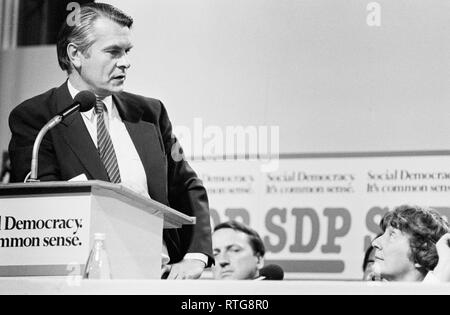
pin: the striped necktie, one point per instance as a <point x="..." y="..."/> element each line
<point x="105" y="145"/>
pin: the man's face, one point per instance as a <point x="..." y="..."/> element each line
<point x="103" y="67"/>
<point x="392" y="254"/>
<point x="234" y="256"/>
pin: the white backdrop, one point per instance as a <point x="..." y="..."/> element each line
<point x="313" y="67"/>
<point x="318" y="215"/>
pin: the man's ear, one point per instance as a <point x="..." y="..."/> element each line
<point x="74" y="55"/>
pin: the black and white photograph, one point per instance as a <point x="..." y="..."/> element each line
<point x="225" y="153"/>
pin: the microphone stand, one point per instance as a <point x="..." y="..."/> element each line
<point x="83" y="101"/>
<point x="37" y="143"/>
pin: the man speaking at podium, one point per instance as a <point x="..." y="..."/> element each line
<point x="125" y="138"/>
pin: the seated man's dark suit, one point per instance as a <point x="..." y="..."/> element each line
<point x="68" y="151"/>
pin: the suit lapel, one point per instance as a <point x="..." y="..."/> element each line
<point x="78" y="138"/>
<point x="146" y="141"/>
<point x="144" y="135"/>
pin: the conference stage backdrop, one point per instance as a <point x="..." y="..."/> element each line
<point x="317" y="214"/>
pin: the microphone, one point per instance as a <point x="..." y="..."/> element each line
<point x="271" y="272"/>
<point x="83" y="102"/>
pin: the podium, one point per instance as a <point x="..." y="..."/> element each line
<point x="47" y="229"/>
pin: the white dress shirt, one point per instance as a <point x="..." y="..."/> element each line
<point x="131" y="169"/>
<point x="132" y="172"/>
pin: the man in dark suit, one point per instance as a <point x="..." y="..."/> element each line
<point x="125" y="139"/>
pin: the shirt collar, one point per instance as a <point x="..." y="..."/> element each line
<point x="108" y="101"/>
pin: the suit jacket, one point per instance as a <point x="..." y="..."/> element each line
<point x="68" y="151"/>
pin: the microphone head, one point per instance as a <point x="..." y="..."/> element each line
<point x="86" y="99"/>
<point x="272" y="272"/>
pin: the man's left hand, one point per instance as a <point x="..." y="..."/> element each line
<point x="187" y="269"/>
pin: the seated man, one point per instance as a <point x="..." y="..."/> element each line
<point x="238" y="252"/>
<point x="406" y="251"/>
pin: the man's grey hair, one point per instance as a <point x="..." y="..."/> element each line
<point x="81" y="33"/>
